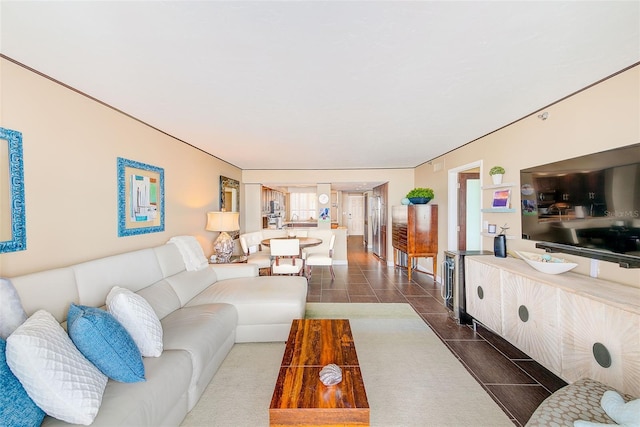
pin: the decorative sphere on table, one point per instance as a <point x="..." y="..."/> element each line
<point x="405" y="201"/>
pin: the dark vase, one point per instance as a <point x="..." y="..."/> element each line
<point x="419" y="200"/>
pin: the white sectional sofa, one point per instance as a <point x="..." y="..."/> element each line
<point x="202" y="313"/>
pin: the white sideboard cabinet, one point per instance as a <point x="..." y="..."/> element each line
<point x="575" y="326"/>
<point x="530" y="318"/>
<point x="483" y="295"/>
<point x="600" y="342"/>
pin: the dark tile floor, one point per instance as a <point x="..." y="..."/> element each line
<point x="515" y="381"/>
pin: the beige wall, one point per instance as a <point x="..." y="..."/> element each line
<point x="599" y="118"/>
<point x="70" y="145"/>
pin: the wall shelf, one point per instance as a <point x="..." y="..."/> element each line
<point x="485" y="234"/>
<point x="497" y="210"/>
<point x="503" y="185"/>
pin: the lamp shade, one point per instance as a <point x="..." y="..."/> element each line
<point x="223" y="221"/>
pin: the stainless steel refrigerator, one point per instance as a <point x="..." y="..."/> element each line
<point x="378" y="203"/>
<point x="378" y="242"/>
<point x="365" y="239"/>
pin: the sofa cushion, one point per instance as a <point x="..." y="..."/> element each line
<point x="159" y="401"/>
<point x="234" y="271"/>
<point x="207" y="333"/>
<point x="161" y="297"/>
<point x="188" y="284"/>
<point x="169" y="259"/>
<point x="132" y="270"/>
<point x="105" y="343"/>
<point x="16" y="407"/>
<point x="58" y="378"/>
<point x="138" y="318"/>
<point x="12" y="314"/>
<point x="51" y="290"/>
<point x="259" y="300"/>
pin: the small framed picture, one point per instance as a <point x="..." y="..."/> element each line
<point x="492" y="229"/>
<point x="501" y="199"/>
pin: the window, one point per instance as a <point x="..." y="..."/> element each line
<point x="303" y="206"/>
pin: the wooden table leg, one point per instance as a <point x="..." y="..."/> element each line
<point x="435" y="265"/>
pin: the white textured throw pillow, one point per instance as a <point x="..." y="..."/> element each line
<point x="138" y="318"/>
<point x="59" y="379"/>
<point x="12" y="314"/>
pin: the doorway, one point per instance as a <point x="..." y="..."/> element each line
<point x="355" y="215"/>
<point x="468" y="211"/>
<point x="464" y="208"/>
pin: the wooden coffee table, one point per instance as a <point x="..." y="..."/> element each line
<point x="300" y="398"/>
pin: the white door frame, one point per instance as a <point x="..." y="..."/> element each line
<point x="452" y="231"/>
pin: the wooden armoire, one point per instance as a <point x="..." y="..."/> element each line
<point x="415" y="232"/>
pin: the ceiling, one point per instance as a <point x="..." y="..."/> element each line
<point x="324" y="85"/>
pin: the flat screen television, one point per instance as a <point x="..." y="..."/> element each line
<point x="590" y="202"/>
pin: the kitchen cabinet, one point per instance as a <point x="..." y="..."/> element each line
<point x="572" y="189"/>
<point x="483" y="294"/>
<point x="335" y="218"/>
<point x="273" y="201"/>
<point x="574" y="325"/>
<point x="414" y="231"/>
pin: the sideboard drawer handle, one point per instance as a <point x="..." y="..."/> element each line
<point x="602" y="355"/>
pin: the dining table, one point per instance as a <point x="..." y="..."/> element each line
<point x="305" y="242"/>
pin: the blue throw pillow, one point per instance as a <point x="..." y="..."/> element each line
<point x="16" y="407"/>
<point x="105" y="343"/>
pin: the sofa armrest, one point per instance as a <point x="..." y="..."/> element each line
<point x="577" y="401"/>
<point x="232" y="271"/>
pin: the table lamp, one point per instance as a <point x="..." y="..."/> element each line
<point x="223" y="222"/>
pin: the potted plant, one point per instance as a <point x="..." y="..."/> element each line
<point x="420" y="196"/>
<point x="496" y="173"/>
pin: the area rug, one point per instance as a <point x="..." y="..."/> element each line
<point x="411" y="378"/>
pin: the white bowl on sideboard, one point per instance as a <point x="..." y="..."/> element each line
<point x="545" y="263"/>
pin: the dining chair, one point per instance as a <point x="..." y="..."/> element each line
<point x="322" y="258"/>
<point x="251" y="249"/>
<point x="286" y="253"/>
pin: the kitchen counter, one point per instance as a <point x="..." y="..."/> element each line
<point x="290" y="224"/>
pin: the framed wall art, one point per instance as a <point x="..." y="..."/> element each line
<point x="501" y="199"/>
<point x="13" y="235"/>
<point x="229" y="194"/>
<point x="140" y="198"/>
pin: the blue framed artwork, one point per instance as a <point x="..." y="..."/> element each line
<point x="325" y="215"/>
<point x="140" y="198"/>
<point x="13" y="234"/>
